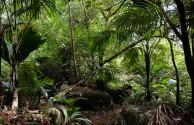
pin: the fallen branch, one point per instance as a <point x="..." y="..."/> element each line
<point x="100" y="66"/>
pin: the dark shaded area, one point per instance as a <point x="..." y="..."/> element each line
<point x="117" y="95"/>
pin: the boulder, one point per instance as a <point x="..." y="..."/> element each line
<point x="133" y="116"/>
<point x="88" y="99"/>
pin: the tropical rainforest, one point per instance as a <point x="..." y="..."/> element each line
<point x="96" y="62"/>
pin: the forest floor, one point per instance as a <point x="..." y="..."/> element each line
<point x="105" y="117"/>
<point x="111" y="116"/>
<point x="114" y="116"/>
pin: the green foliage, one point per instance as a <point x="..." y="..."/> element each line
<point x="27" y="75"/>
<point x="5" y="71"/>
<point x="101" y="40"/>
<point x="29" y="84"/>
<point x="71" y="116"/>
<point x="33" y="8"/>
<point x="29" y="40"/>
<point x="50" y="68"/>
<point x="62" y="100"/>
<point x="138" y="95"/>
<point x="1" y="120"/>
<point x="164" y="93"/>
<point x="101" y="28"/>
<point x="140" y="18"/>
<point x="6" y="51"/>
<point x="131" y="57"/>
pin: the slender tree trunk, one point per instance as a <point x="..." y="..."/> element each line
<point x="100" y="57"/>
<point x="176" y="74"/>
<point x="15" y="63"/>
<point x="147" y="61"/>
<point x="85" y="16"/>
<point x="1" y="41"/>
<point x="72" y="44"/>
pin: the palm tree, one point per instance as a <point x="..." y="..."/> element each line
<point x="182" y="28"/>
<point x="130" y="19"/>
<point x="18" y="9"/>
<point x="148" y="48"/>
<point x="28" y="41"/>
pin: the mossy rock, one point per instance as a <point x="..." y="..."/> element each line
<point x="96" y="100"/>
<point x="133" y="116"/>
<point x="88" y="99"/>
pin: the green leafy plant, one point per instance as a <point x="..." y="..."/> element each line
<point x="30" y="87"/>
<point x="67" y="116"/>
<point x="62" y="100"/>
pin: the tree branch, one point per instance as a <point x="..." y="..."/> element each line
<point x="171" y="24"/>
<point x="120" y="52"/>
<point x="99" y="67"/>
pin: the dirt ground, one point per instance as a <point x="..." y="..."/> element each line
<point x="106" y="117"/>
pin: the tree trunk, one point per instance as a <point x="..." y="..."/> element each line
<point x="85" y="16"/>
<point x="176" y="74"/>
<point x="15" y="63"/>
<point x="186" y="46"/>
<point x="1" y="41"/>
<point x="72" y="44"/>
<point x="147" y="61"/>
<point x="14" y="75"/>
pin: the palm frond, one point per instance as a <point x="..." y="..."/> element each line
<point x="107" y="74"/>
<point x="131" y="57"/>
<point x="139" y="18"/>
<point x="6" y="51"/>
<point x="69" y="117"/>
<point x="104" y="38"/>
<point x="75" y="115"/>
<point x="101" y="40"/>
<point x="44" y="92"/>
<point x="123" y="35"/>
<point x="64" y="113"/>
<point x="26" y="92"/>
<point x="84" y="120"/>
<point x="27" y="75"/>
<point x="34" y="8"/>
<point x="29" y="40"/>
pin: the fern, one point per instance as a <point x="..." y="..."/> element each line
<point x="27" y="75"/>
<point x="27" y="80"/>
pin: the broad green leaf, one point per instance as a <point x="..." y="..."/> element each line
<point x="7" y="51"/>
<point x="158" y="85"/>
<point x="29" y="40"/>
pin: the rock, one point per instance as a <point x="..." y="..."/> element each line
<point x="118" y="95"/>
<point x="88" y="99"/>
<point x="133" y="116"/>
<point x="99" y="100"/>
<point x="64" y="87"/>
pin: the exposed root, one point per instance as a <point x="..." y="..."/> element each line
<point x="166" y="115"/>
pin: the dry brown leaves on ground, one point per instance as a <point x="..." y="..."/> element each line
<point x="106" y="117"/>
